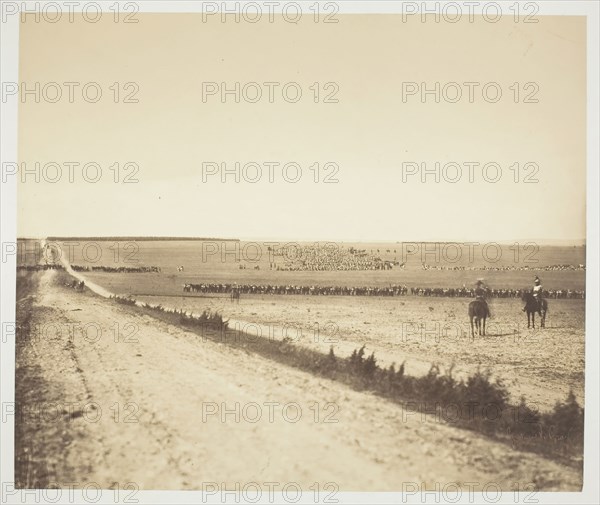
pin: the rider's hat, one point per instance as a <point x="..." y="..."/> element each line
<point x="537" y="280"/>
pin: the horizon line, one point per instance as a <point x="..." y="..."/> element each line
<point x="299" y="239"/>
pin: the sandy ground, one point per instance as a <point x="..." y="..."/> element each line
<point x="151" y="402"/>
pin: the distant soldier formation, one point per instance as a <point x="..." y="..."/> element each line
<point x="124" y="270"/>
<point x="503" y="268"/>
<point x="392" y="290"/>
<point x="323" y="259"/>
<point x="47" y="266"/>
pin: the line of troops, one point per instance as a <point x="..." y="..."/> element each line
<point x="121" y="269"/>
<point x="46" y="266"/>
<point x="497" y="293"/>
<point x="394" y="290"/>
<point x="95" y="268"/>
<point x="546" y="268"/>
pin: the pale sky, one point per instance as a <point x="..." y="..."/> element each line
<point x="369" y="134"/>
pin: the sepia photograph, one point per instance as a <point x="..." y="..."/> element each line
<point x="293" y="252"/>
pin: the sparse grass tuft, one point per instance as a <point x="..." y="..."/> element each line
<point x="207" y="318"/>
<point x="124" y="300"/>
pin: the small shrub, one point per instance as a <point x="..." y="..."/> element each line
<point x="400" y="373"/>
<point x="526" y="420"/>
<point x="124" y="300"/>
<point x="369" y="366"/>
<point x="480" y="390"/>
<point x="567" y="418"/>
<point x="331" y="356"/>
<point x="206" y="319"/>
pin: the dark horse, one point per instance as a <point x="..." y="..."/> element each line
<point x="235" y="295"/>
<point x="77" y="285"/>
<point x="532" y="305"/>
<point x="478" y="312"/>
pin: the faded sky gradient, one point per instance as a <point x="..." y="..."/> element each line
<point x="369" y="133"/>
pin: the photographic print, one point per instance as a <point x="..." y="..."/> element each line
<point x="294" y="252"/>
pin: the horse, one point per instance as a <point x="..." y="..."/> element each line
<point x="76" y="285"/>
<point x="533" y="305"/>
<point x="235" y="295"/>
<point x="478" y="313"/>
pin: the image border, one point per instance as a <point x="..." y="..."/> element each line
<point x="9" y="72"/>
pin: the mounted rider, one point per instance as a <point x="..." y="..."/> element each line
<point x="481" y="292"/>
<point x="537" y="291"/>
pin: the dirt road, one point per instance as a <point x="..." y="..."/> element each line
<point x="150" y="403"/>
